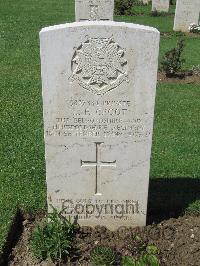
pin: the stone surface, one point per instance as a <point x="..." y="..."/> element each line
<point x="99" y="84"/>
<point x="187" y="12"/>
<point x="94" y="10"/>
<point x="145" y="1"/>
<point x="160" y="5"/>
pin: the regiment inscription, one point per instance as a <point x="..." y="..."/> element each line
<point x="99" y="65"/>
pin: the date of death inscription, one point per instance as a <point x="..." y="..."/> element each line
<point x="99" y="119"/>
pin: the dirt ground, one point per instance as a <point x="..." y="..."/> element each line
<point x="181" y="79"/>
<point x="178" y="241"/>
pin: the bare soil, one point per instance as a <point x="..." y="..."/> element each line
<point x="182" y="78"/>
<point x="178" y="241"/>
<point x="187" y="34"/>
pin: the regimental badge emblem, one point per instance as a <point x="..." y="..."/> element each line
<point x="99" y="65"/>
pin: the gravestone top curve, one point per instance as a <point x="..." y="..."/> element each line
<point x="99" y="23"/>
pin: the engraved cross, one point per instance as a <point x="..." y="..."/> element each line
<point x="98" y="164"/>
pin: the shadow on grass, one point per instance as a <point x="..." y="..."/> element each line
<point x="14" y="234"/>
<point x="168" y="198"/>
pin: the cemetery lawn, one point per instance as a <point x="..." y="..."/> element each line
<point x="176" y="142"/>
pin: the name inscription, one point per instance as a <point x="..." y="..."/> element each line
<point x="104" y="118"/>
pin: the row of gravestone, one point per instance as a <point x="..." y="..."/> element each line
<point x="99" y="85"/>
<point x="187" y="11"/>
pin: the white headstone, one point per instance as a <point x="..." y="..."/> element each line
<point x="160" y="5"/>
<point x="99" y="84"/>
<point x="187" y="12"/>
<point x="94" y="10"/>
<point x="145" y="1"/>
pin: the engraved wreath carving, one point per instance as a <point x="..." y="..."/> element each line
<point x="99" y="65"/>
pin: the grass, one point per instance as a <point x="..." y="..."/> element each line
<point x="163" y="23"/>
<point x="176" y="142"/>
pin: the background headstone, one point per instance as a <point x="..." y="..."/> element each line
<point x="94" y="10"/>
<point x="145" y="1"/>
<point x="187" y="12"/>
<point x="99" y="84"/>
<point x="160" y="5"/>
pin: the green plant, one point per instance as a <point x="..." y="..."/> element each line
<point x="173" y="61"/>
<point x="152" y="250"/>
<point x="52" y="239"/>
<point x="147" y="258"/>
<point x="155" y="13"/>
<point x="123" y="7"/>
<point x="102" y="256"/>
<point x="127" y="261"/>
